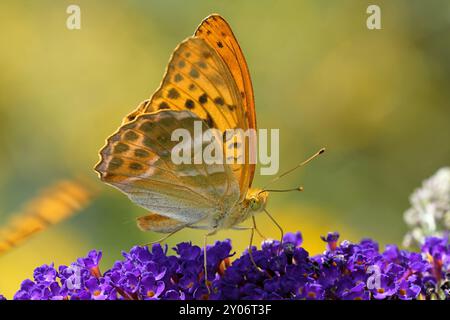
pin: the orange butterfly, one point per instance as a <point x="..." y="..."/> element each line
<point x="207" y="79"/>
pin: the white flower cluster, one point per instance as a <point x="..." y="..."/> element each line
<point x="429" y="214"/>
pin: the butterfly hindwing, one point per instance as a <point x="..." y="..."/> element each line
<point x="137" y="160"/>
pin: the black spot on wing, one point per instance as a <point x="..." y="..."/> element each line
<point x="173" y="94"/>
<point x="131" y="136"/>
<point x="178" y="77"/>
<point x="206" y="54"/>
<point x="148" y="142"/>
<point x="189" y="104"/>
<point x="141" y="153"/>
<point x="194" y="73"/>
<point x="147" y="126"/>
<point x="162" y="139"/>
<point x="115" y="163"/>
<point x="219" y="101"/>
<point x="209" y="121"/>
<point x="163" y="105"/>
<point x="135" y="166"/>
<point x="203" y="98"/>
<point x="202" y="64"/>
<point x="120" y="147"/>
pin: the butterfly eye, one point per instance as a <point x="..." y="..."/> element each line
<point x="253" y="203"/>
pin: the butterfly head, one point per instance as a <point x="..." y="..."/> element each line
<point x="256" y="200"/>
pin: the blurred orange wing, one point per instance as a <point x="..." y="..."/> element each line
<point x="54" y="204"/>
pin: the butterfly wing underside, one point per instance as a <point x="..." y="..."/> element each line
<point x="137" y="160"/>
<point x="158" y="223"/>
<point x="218" y="34"/>
<point x="198" y="79"/>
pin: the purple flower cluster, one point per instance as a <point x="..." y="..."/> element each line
<point x="283" y="271"/>
<point x="342" y="272"/>
<point x="143" y="274"/>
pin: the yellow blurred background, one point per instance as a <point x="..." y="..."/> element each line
<point x="377" y="99"/>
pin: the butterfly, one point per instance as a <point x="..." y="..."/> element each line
<point x="55" y="203"/>
<point x="207" y="79"/>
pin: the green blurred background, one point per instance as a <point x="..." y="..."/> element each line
<point x="378" y="100"/>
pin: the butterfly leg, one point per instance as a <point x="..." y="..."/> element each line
<point x="276" y="223"/>
<point x="252" y="234"/>
<point x="205" y="227"/>
<point x="260" y="234"/>
<point x="248" y="228"/>
<point x="250" y="251"/>
<point x="252" y="230"/>
<point x="163" y="238"/>
<point x="256" y="228"/>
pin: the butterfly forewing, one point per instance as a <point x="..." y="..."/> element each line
<point x="197" y="79"/>
<point x="218" y="34"/>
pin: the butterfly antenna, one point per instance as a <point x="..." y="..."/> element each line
<point x="301" y="164"/>
<point x="281" y="190"/>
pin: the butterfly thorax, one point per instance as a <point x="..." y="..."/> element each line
<point x="254" y="202"/>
